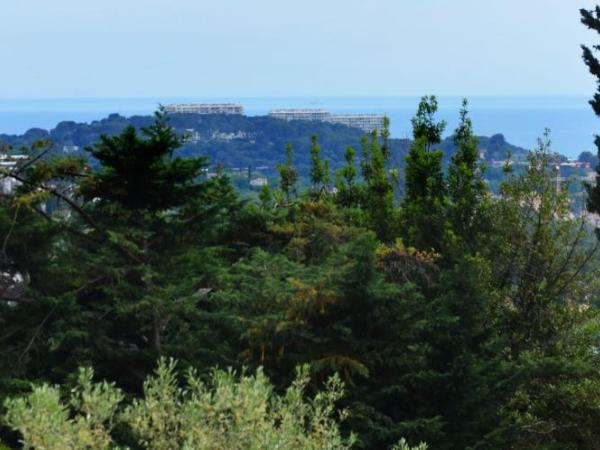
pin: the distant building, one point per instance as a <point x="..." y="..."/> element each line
<point x="205" y="108"/>
<point x="259" y="182"/>
<point x="319" y="115"/>
<point x="575" y="164"/>
<point x="192" y="136"/>
<point x="366" y="122"/>
<point x="8" y="185"/>
<point x="223" y="136"/>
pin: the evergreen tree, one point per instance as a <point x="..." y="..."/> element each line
<point x="424" y="225"/>
<point x="466" y="187"/>
<point x="319" y="169"/>
<point x="143" y="174"/>
<point x="348" y="194"/>
<point x="136" y="250"/>
<point x="288" y="175"/>
<point x="591" y="19"/>
<point x="378" y="190"/>
<point x="385" y="135"/>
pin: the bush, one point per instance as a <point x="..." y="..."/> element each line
<point x="230" y="411"/>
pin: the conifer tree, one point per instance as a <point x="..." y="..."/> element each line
<point x="288" y="175"/>
<point x="425" y="190"/>
<point x="378" y="186"/>
<point x="317" y="166"/>
<point x="591" y="19"/>
<point x="385" y="136"/>
<point x="149" y="219"/>
<point x="348" y="194"/>
<point x="466" y="187"/>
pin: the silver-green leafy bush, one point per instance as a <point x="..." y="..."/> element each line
<point x="228" y="412"/>
<point x="48" y="424"/>
<point x="235" y="413"/>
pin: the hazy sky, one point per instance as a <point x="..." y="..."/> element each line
<point x="245" y="48"/>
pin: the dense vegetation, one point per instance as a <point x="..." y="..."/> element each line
<point x="448" y="315"/>
<point x="452" y="317"/>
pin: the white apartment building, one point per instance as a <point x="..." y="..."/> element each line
<point x="205" y="108"/>
<point x="366" y="122"/>
<point x="319" y="115"/>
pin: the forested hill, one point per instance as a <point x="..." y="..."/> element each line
<point x="242" y="141"/>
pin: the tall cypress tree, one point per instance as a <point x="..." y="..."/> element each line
<point x="591" y="19"/>
<point x="379" y="187"/>
<point x="288" y="175"/>
<point x="426" y="192"/>
<point x="319" y="169"/>
<point x="348" y="194"/>
<point x="466" y="186"/>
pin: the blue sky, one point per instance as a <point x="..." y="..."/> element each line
<point x="247" y="48"/>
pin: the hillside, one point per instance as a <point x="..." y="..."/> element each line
<point x="243" y="141"/>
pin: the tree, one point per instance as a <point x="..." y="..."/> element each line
<point x="591" y="19"/>
<point x="137" y="247"/>
<point x="425" y="198"/>
<point x="349" y="190"/>
<point x="288" y="176"/>
<point x="319" y="170"/>
<point x="466" y="187"/>
<point x="378" y="191"/>
<point x="424" y="124"/>
<point x="543" y="273"/>
<point x="143" y="174"/>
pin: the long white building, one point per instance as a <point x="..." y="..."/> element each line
<point x="319" y="115"/>
<point x="205" y="108"/>
<point x="366" y="122"/>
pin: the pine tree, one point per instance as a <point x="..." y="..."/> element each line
<point x="147" y="220"/>
<point x="143" y="174"/>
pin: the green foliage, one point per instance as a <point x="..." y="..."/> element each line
<point x="45" y="423"/>
<point x="143" y="174"/>
<point x="453" y="317"/>
<point x="402" y="445"/>
<point x="319" y="170"/>
<point x="378" y="190"/>
<point x="591" y="19"/>
<point x="424" y="125"/>
<point x="466" y="187"/>
<point x="425" y="192"/>
<point x="350" y="193"/>
<point x="288" y="176"/>
<point x="543" y="271"/>
<point x="230" y="411"/>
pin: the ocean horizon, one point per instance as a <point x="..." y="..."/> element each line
<point x="522" y="120"/>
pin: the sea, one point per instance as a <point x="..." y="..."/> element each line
<point x="522" y="120"/>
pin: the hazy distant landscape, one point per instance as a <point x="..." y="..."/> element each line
<point x="521" y="120"/>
